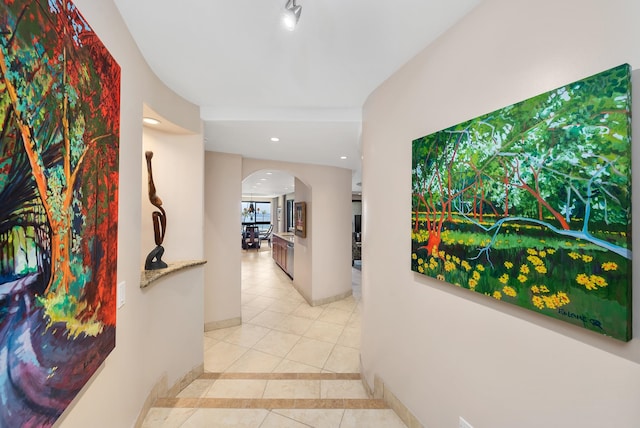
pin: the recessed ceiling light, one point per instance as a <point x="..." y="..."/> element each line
<point x="263" y="179"/>
<point x="150" y="121"/>
<point x="269" y="173"/>
<point x="275" y="139"/>
<point x="343" y="157"/>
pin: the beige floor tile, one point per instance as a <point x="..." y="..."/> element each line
<point x="294" y="324"/>
<point x="317" y="418"/>
<point x="284" y="306"/>
<point x="221" y="333"/>
<point x="348" y="304"/>
<point x="220" y="356"/>
<point x="247" y="335"/>
<point x="335" y="316"/>
<point x="256" y="362"/>
<point x="298" y="389"/>
<point x="343" y="360"/>
<point x="196" y="389"/>
<point x="371" y="418"/>
<point x="226" y="418"/>
<point x="351" y="337"/>
<point x="268" y="319"/>
<point x="275" y="420"/>
<point x="311" y="352"/>
<point x="288" y="366"/>
<point x="306" y="311"/>
<point x="260" y="302"/>
<point x="342" y="389"/>
<point x="277" y="343"/>
<point x="355" y="320"/>
<point x="237" y="388"/>
<point x="324" y="331"/>
<point x="167" y="418"/>
<point x="248" y="313"/>
<point x="209" y="342"/>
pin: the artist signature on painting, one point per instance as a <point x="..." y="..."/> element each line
<point x="586" y="320"/>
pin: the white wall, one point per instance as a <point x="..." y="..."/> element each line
<point x="223" y="193"/>
<point x="303" y="247"/>
<point x="446" y="352"/>
<point x="153" y="324"/>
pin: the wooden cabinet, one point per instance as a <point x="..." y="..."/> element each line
<point x="280" y="249"/>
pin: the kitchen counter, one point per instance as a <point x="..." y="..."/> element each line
<point x="282" y="251"/>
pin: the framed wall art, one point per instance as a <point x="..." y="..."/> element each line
<point x="60" y="118"/>
<point x="301" y="219"/>
<point x="531" y="204"/>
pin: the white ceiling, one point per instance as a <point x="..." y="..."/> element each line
<point x="254" y="80"/>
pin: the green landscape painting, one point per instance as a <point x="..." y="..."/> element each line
<point x="531" y="204"/>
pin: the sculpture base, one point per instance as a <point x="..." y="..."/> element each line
<point x="154" y="259"/>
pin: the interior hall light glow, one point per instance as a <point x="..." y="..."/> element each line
<point x="275" y="139"/>
<point x="343" y="157"/>
<point x="291" y="15"/>
<point x="150" y="121"/>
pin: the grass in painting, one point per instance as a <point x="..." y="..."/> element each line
<point x="567" y="279"/>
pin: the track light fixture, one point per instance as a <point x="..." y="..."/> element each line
<point x="291" y="14"/>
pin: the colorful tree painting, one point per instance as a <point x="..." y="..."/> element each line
<point x="59" y="137"/>
<point x="531" y="204"/>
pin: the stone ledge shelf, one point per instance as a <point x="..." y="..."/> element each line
<point x="149" y="276"/>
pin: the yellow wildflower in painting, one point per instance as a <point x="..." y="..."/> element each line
<point x="583" y="279"/>
<point x="574" y="256"/>
<point x="497" y="295"/>
<point x="524" y="269"/>
<point x="414" y="256"/>
<point x="598" y="280"/>
<point x="504" y="278"/>
<point x="542" y="254"/>
<point x="420" y="269"/>
<point x="522" y="278"/>
<point x="550" y="301"/>
<point x="586" y="258"/>
<point x="563" y="298"/>
<point x="480" y="268"/>
<point x="476" y="275"/>
<point x="508" y="265"/>
<point x="420" y="261"/>
<point x="532" y="251"/>
<point x="608" y="266"/>
<point x="544" y="289"/>
<point x="440" y="277"/>
<point x="551" y="251"/>
<point x="472" y="283"/>
<point x="541" y="269"/>
<point x="449" y="266"/>
<point x="465" y="265"/>
<point x="509" y="291"/>
<point x="535" y="260"/>
<point x="535" y="289"/>
<point x="537" y="302"/>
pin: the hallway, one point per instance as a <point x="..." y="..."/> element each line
<point x="289" y="365"/>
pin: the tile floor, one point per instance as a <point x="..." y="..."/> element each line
<point x="289" y="365"/>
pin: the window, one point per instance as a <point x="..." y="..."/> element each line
<point x="261" y="215"/>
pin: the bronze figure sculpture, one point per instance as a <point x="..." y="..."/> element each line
<point x="154" y="259"/>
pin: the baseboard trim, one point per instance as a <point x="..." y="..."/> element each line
<point x="331" y="299"/>
<point x="216" y="325"/>
<point x="382" y="392"/>
<point x="161" y="390"/>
